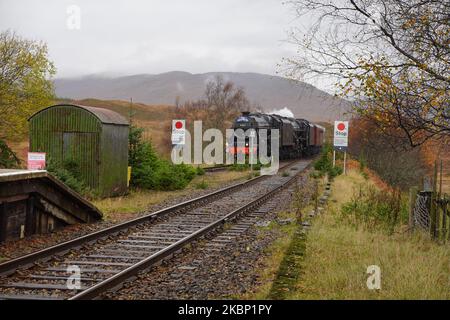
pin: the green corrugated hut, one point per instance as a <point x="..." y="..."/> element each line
<point x="94" y="138"/>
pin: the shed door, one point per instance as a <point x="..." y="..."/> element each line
<point x="81" y="149"/>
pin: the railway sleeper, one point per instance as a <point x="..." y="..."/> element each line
<point x="44" y="286"/>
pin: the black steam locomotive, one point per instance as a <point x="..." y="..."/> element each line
<point x="297" y="137"/>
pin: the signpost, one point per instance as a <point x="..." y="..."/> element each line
<point x="178" y="132"/>
<point x="36" y="161"/>
<point x="340" y="140"/>
<point x="251" y="153"/>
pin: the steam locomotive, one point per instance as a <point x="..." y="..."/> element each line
<point x="297" y="137"/>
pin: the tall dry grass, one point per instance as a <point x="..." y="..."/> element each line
<point x="338" y="254"/>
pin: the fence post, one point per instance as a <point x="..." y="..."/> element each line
<point x="433" y="211"/>
<point x="444" y="220"/>
<point x="412" y="202"/>
<point x="446" y="212"/>
<point x="440" y="206"/>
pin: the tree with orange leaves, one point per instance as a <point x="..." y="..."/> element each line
<point x="391" y="57"/>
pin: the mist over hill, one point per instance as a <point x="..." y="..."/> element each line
<point x="269" y="92"/>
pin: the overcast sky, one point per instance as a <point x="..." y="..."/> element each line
<point x="155" y="36"/>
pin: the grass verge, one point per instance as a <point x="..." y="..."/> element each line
<point x="334" y="262"/>
<point x="280" y="273"/>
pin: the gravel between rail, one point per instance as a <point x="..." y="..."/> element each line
<point x="110" y="261"/>
<point x="215" y="270"/>
<point x="13" y="249"/>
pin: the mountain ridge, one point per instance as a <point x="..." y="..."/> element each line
<point x="267" y="91"/>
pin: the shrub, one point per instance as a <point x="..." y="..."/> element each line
<point x="151" y="172"/>
<point x="257" y="166"/>
<point x="200" y="171"/>
<point x="69" y="173"/>
<point x="201" y="185"/>
<point x="239" y="167"/>
<point x="316" y="174"/>
<point x="8" y="158"/>
<point x="334" y="172"/>
<point x="247" y="166"/>
<point x="376" y="208"/>
<point x="325" y="163"/>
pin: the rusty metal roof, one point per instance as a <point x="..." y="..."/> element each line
<point x="104" y="115"/>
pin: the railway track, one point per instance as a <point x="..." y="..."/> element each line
<point x="109" y="257"/>
<point x="217" y="168"/>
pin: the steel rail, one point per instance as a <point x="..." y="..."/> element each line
<point x="217" y="168"/>
<point x="119" y="278"/>
<point x="25" y="261"/>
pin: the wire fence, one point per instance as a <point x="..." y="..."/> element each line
<point x="430" y="210"/>
<point x="431" y="213"/>
<point x="421" y="212"/>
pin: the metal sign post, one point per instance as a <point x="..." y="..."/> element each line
<point x="345" y="160"/>
<point x="251" y="155"/>
<point x="334" y="158"/>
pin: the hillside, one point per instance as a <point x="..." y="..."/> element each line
<point x="269" y="92"/>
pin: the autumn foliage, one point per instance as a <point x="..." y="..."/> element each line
<point x="396" y="164"/>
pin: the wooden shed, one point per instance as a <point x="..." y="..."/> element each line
<point x="96" y="139"/>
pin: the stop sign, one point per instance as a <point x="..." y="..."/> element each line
<point x="178" y="132"/>
<point x="341" y="134"/>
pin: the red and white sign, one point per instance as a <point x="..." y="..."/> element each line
<point x="36" y="161"/>
<point x="341" y="133"/>
<point x="178" y="132"/>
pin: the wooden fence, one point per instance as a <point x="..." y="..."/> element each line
<point x="430" y="209"/>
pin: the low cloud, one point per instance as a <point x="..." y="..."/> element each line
<point x="155" y="36"/>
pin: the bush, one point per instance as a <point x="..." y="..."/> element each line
<point x="334" y="172"/>
<point x="239" y="167"/>
<point x="257" y="166"/>
<point x="376" y="208"/>
<point x="69" y="173"/>
<point x="201" y="185"/>
<point x="247" y="166"/>
<point x="325" y="163"/>
<point x="151" y="172"/>
<point x="316" y="174"/>
<point x="8" y="158"/>
<point x="200" y="171"/>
